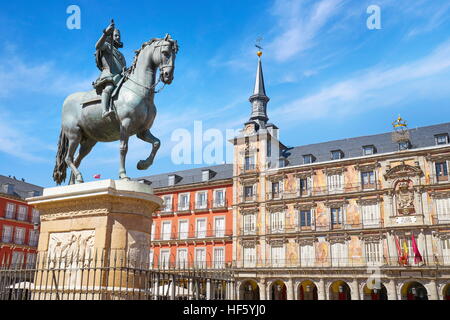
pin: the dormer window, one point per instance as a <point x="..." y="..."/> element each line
<point x="403" y="145"/>
<point x="336" y="154"/>
<point x="308" y="158"/>
<point x="172" y="180"/>
<point x="441" y="138"/>
<point x="206" y="175"/>
<point x="369" y="150"/>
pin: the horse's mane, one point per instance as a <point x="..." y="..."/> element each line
<point x="145" y="44"/>
<point x="138" y="51"/>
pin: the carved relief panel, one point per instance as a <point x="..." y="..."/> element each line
<point x="404" y="196"/>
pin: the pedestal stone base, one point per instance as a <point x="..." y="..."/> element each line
<point x="102" y="225"/>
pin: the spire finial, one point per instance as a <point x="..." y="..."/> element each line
<point x="259" y="98"/>
<point x="258" y="45"/>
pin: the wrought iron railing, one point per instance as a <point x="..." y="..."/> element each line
<point x="322" y="190"/>
<point x="357" y="262"/>
<point x="208" y="233"/>
<point x="295" y="228"/>
<point x="108" y="275"/>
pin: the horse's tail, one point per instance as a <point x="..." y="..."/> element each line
<point x="59" y="173"/>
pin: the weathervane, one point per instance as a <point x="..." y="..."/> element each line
<point x="258" y="45"/>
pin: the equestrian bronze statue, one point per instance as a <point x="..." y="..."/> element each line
<point x="126" y="109"/>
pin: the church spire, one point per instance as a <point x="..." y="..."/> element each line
<point x="259" y="99"/>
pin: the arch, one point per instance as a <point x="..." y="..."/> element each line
<point x="249" y="290"/>
<point x="446" y="292"/>
<point x="376" y="293"/>
<point x="278" y="290"/>
<point x="339" y="290"/>
<point x="307" y="290"/>
<point x="414" y="290"/>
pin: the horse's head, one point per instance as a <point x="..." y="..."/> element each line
<point x="164" y="58"/>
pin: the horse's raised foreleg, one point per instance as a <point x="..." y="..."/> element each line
<point x="74" y="137"/>
<point x="85" y="147"/>
<point x="147" y="136"/>
<point x="124" y="136"/>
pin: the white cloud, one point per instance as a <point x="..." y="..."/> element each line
<point x="375" y="87"/>
<point x="16" y="74"/>
<point x="435" y="16"/>
<point x="301" y="22"/>
<point x="15" y="142"/>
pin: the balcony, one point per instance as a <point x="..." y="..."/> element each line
<point x="36" y="219"/>
<point x="7" y="239"/>
<point x="249" y="168"/>
<point x="441" y="219"/>
<point x="33" y="242"/>
<point x="251" y="231"/>
<point x="19" y="240"/>
<point x="167" y="210"/>
<point x="344" y="188"/>
<point x="9" y="214"/>
<point x="192" y="235"/>
<point x="201" y="206"/>
<point x="184" y="209"/>
<point x="276" y="229"/>
<point x="346" y="263"/>
<point x="189" y="264"/>
<point x="438" y="179"/>
<point x="219" y="205"/>
<point x="248" y="198"/>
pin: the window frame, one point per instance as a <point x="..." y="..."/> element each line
<point x="441" y="135"/>
<point x="337" y="152"/>
<point x="180" y="196"/>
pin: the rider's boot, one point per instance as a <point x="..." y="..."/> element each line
<point x="106" y="94"/>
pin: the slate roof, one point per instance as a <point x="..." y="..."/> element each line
<point x="20" y="188"/>
<point x="190" y="176"/>
<point x="351" y="147"/>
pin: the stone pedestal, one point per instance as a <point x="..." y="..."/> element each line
<point x="92" y="235"/>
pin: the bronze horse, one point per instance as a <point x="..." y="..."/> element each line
<point x="82" y="122"/>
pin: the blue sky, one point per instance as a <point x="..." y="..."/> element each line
<point x="327" y="75"/>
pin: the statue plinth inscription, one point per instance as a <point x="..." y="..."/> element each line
<point x="107" y="222"/>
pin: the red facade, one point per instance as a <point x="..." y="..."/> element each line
<point x="19" y="231"/>
<point x="194" y="232"/>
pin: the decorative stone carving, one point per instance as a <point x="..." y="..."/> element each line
<point x="249" y="211"/>
<point x="372" y="237"/>
<point x="339" y="239"/>
<point x="138" y="247"/>
<point x="368" y="201"/>
<point x="304" y="174"/>
<point x="72" y="245"/>
<point x="335" y="204"/>
<point x="332" y="171"/>
<point x="248" y="243"/>
<point x="306" y="241"/>
<point x="405" y="197"/>
<point x="367" y="167"/>
<point x="402" y="171"/>
<point x="277" y="243"/>
<point x="276" y="208"/>
<point x="276" y="177"/>
<point x="406" y="220"/>
<point x="305" y="206"/>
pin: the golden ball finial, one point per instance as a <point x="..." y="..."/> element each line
<point x="259" y="53"/>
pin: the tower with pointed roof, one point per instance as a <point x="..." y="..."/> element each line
<point x="259" y="99"/>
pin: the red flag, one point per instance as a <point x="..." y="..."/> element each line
<point x="417" y="256"/>
<point x="97" y="176"/>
